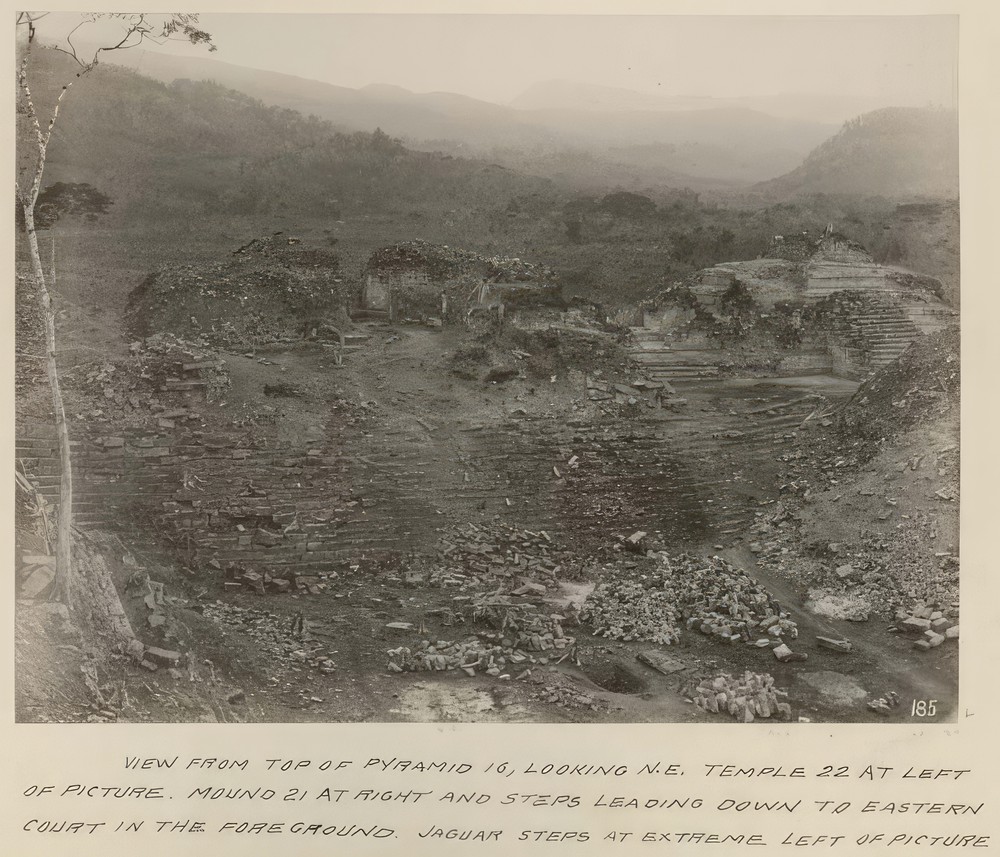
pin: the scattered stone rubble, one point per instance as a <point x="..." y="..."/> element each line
<point x="522" y="637"/>
<point x="269" y="290"/>
<point x="284" y="641"/>
<point x="442" y="261"/>
<point x="239" y="577"/>
<point x="148" y="387"/>
<point x="560" y="690"/>
<point x="924" y="382"/>
<point x="154" y="657"/>
<point x="471" y="554"/>
<point x="885" y="704"/>
<point x="934" y="626"/>
<point x="654" y="394"/>
<point x="705" y="594"/>
<point x="871" y="578"/>
<point x="744" y="698"/>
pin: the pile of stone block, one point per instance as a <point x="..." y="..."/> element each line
<point x="885" y="704"/>
<point x="469" y="656"/>
<point x="705" y="594"/>
<point x="282" y="640"/>
<point x="533" y="640"/>
<point x="745" y="698"/>
<point x="560" y="689"/>
<point x="631" y="611"/>
<point x="239" y="578"/>
<point x="154" y="657"/>
<point x="932" y="626"/>
<point x="475" y="553"/>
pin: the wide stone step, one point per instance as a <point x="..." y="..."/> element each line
<point x="892" y="342"/>
<point x="885" y="325"/>
<point x="93" y="520"/>
<point x="669" y="364"/>
<point x="368" y="315"/>
<point x="36" y="445"/>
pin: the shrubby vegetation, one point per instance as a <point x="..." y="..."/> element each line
<point x="196" y="164"/>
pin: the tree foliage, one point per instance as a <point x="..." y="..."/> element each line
<point x="67" y="199"/>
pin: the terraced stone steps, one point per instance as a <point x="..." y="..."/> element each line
<point x="354" y="342"/>
<point x="344" y="500"/>
<point x="884" y="332"/>
<point x="670" y="362"/>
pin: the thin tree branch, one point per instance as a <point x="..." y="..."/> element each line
<point x="69" y="41"/>
<point x="132" y="30"/>
<point x="75" y="58"/>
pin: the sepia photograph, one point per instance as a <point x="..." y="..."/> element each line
<point x="486" y="368"/>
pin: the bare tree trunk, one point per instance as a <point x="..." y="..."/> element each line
<point x="64" y="549"/>
<point x="135" y="28"/>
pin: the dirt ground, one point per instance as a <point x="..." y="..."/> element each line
<point x="436" y="446"/>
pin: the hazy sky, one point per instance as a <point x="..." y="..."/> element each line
<point x="903" y="59"/>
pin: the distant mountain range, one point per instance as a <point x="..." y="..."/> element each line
<point x="726" y="141"/>
<point x="802" y="106"/>
<point x="594" y="138"/>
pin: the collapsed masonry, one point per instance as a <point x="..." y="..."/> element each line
<point x="811" y="306"/>
<point x="271" y="289"/>
<point x="421" y="281"/>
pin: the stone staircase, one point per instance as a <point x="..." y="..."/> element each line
<point x="670" y="364"/>
<point x="336" y="499"/>
<point x="884" y="331"/>
<point x="829" y="276"/>
<point x="355" y="341"/>
<point x="874" y="336"/>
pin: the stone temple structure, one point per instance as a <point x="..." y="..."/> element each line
<point x="839" y="311"/>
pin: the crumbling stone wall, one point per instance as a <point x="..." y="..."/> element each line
<point x="213" y="498"/>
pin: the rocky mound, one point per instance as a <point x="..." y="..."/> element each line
<point x="270" y="289"/>
<point x="922" y="384"/>
<point x="441" y="262"/>
<point x="703" y="593"/>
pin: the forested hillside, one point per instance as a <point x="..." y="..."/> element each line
<point x="198" y="169"/>
<point x="902" y="153"/>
